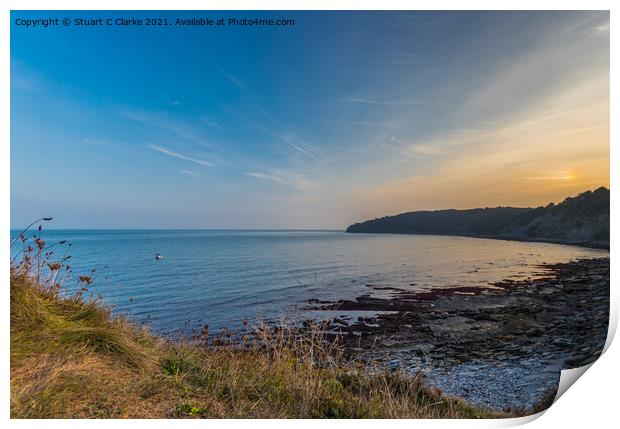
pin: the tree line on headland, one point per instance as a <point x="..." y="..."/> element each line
<point x="581" y="220"/>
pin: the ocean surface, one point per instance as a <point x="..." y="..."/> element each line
<point x="222" y="277"/>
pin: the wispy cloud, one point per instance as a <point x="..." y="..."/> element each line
<point x="360" y="100"/>
<point x="424" y="149"/>
<point x="165" y="122"/>
<point x="187" y="131"/>
<point x="232" y="79"/>
<point x="190" y="173"/>
<point x="603" y="28"/>
<point x="182" y="129"/>
<point x="284" y="177"/>
<point x="180" y="156"/>
<point x="211" y="122"/>
<point x="291" y="139"/>
<point x="271" y="177"/>
<point x="269" y="125"/>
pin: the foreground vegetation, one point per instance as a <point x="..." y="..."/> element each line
<point x="70" y="358"/>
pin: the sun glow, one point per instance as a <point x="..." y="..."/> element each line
<point x="560" y="176"/>
<point x="569" y="176"/>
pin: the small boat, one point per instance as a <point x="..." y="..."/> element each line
<point x="158" y="256"/>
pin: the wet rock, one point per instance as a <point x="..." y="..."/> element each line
<point x="500" y="346"/>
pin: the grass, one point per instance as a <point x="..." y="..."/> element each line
<point x="71" y="359"/>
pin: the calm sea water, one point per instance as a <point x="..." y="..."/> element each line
<point x="223" y="277"/>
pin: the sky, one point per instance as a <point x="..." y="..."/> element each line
<point x="342" y="117"/>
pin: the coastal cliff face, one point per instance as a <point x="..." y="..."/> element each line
<point x="583" y="219"/>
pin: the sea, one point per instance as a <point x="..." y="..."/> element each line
<point x="223" y="277"/>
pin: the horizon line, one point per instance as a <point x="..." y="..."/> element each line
<point x="188" y="229"/>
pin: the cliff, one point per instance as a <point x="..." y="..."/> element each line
<point x="582" y="220"/>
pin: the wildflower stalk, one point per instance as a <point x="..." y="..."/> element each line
<point x="46" y="219"/>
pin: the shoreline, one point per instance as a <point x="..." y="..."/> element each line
<point x="589" y="245"/>
<point x="500" y="345"/>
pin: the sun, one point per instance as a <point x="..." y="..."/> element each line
<point x="570" y="176"/>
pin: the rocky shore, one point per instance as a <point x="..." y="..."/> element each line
<point x="500" y="345"/>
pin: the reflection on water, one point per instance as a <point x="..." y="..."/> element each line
<point x="222" y="277"/>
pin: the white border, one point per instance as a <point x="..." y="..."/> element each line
<point x="591" y="402"/>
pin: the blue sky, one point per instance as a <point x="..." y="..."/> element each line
<point x="345" y="116"/>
